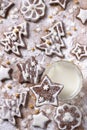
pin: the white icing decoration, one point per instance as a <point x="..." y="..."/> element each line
<point x="63" y="5"/>
<point x="82" y="15"/>
<point x="46" y="87"/>
<point x="33" y="11"/>
<point x="40" y="120"/>
<point x="53" y="43"/>
<point x="40" y="100"/>
<point x="13" y="40"/>
<point x="4" y="73"/>
<point x="4" y="6"/>
<point x="67" y="117"/>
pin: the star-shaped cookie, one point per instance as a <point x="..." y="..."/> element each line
<point x="4" y="7"/>
<point x="40" y="120"/>
<point x="79" y="51"/>
<point x="62" y="3"/>
<point x="47" y="92"/>
<point x="82" y="15"/>
<point x="52" y="42"/>
<point x="14" y="39"/>
<point x="5" y="73"/>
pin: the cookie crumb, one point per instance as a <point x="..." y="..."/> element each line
<point x="31" y="106"/>
<point x="76" y="1"/>
<point x="33" y="49"/>
<point x="8" y="63"/>
<point x="9" y="86"/>
<point x="17" y="95"/>
<point x="48" y="42"/>
<point x="50" y="16"/>
<point x="74" y="28"/>
<point x="69" y="33"/>
<point x="16" y="30"/>
<point x="36" y="111"/>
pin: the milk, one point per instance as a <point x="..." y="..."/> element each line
<point x="68" y="74"/>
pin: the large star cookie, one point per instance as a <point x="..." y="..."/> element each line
<point x="4" y="7"/>
<point x="14" y="39"/>
<point x="62" y="3"/>
<point x="31" y="71"/>
<point x="44" y="120"/>
<point x="33" y="10"/>
<point x="47" y="92"/>
<point x="53" y="43"/>
<point x="79" y="51"/>
<point x="5" y="73"/>
<point x="68" y="117"/>
<point x="82" y="16"/>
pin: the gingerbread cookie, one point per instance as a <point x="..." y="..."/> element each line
<point x="31" y="71"/>
<point x="79" y="51"/>
<point x="14" y="39"/>
<point x="4" y="7"/>
<point x="82" y="15"/>
<point x="9" y="108"/>
<point x="53" y="43"/>
<point x="44" y="120"/>
<point x="5" y="73"/>
<point x="33" y="10"/>
<point x="62" y="3"/>
<point x="68" y="117"/>
<point x="47" y="92"/>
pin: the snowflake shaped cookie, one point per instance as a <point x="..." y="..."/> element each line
<point x="79" y="51"/>
<point x="47" y="92"/>
<point x="5" y="73"/>
<point x="4" y="7"/>
<point x="33" y="10"/>
<point x="31" y="71"/>
<point x="82" y="15"/>
<point x="44" y="120"/>
<point x="9" y="108"/>
<point x="53" y="43"/>
<point x="68" y="117"/>
<point x="62" y="3"/>
<point x="14" y="39"/>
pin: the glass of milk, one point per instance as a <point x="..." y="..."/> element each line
<point x="68" y="74"/>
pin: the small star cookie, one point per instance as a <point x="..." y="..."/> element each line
<point x="52" y="42"/>
<point x="47" y="92"/>
<point x="5" y="73"/>
<point x="82" y="15"/>
<point x="79" y="51"/>
<point x="62" y="3"/>
<point x="40" y="120"/>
